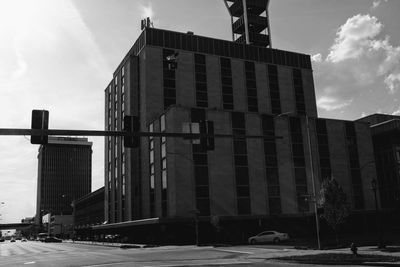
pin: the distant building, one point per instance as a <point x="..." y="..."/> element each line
<point x="64" y="174"/>
<point x="89" y="211"/>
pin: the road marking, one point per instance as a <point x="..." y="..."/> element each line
<point x="234" y="251"/>
<point x="30" y="262"/>
<point x="201" y="264"/>
<point x="171" y="265"/>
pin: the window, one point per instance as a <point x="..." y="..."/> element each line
<point x="241" y="163"/>
<point x="201" y="80"/>
<point x="251" y="86"/>
<point x="299" y="163"/>
<point x="274" y="89"/>
<point x="168" y="78"/>
<point x="226" y="82"/>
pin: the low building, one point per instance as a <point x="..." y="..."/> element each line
<point x="88" y="212"/>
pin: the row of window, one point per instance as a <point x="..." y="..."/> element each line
<point x="200" y="163"/>
<point x="271" y="164"/>
<point x="323" y="149"/>
<point x="251" y="86"/>
<point x="299" y="91"/>
<point x="169" y="81"/>
<point x="299" y="165"/>
<point x="241" y="164"/>
<point x="201" y="80"/>
<point x="175" y="40"/>
<point x="355" y="172"/>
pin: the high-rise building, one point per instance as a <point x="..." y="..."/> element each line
<point x="169" y="79"/>
<point x="64" y="174"/>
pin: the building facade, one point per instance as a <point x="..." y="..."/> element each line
<point x="243" y="89"/>
<point x="64" y="174"/>
<point x="88" y="211"/>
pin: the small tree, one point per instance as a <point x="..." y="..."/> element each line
<point x="333" y="200"/>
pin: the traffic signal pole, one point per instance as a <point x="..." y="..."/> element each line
<point x="12" y="131"/>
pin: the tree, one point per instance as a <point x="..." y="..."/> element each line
<point x="333" y="201"/>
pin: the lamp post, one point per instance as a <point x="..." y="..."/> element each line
<point x="312" y="175"/>
<point x="374" y="188"/>
<point x="313" y="182"/>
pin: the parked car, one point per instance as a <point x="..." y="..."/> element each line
<point x="23" y="240"/>
<point x="12" y="240"/>
<point x="268" y="236"/>
<point x="52" y="240"/>
<point x="2" y="239"/>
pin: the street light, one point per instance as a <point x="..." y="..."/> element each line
<point x="312" y="174"/>
<point x="374" y="188"/>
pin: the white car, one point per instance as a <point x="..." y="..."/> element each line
<point x="268" y="236"/>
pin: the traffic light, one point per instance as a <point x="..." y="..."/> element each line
<point x="131" y="125"/>
<point x="207" y="127"/>
<point x="40" y="121"/>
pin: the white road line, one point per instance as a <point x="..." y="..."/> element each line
<point x="29" y="262"/>
<point x="234" y="251"/>
<point x="172" y="265"/>
<point x="201" y="264"/>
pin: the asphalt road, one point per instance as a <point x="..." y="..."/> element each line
<point x="33" y="253"/>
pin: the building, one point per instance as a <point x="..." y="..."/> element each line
<point x="166" y="186"/>
<point x="385" y="133"/>
<point x="88" y="211"/>
<point x="64" y="174"/>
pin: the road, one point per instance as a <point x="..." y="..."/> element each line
<point x="33" y="253"/>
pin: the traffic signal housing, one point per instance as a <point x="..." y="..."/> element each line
<point x="131" y="125"/>
<point x="40" y="121"/>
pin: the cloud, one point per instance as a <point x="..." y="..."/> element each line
<point x="49" y="60"/>
<point x="147" y="11"/>
<point x="361" y="62"/>
<point x="377" y="3"/>
<point x="354" y="37"/>
<point x="330" y="103"/>
<point x="316" y="58"/>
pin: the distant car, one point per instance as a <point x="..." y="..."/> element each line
<point x="18" y="238"/>
<point x="12" y="240"/>
<point x="2" y="239"/>
<point x="23" y="240"/>
<point x="52" y="240"/>
<point x="268" y="236"/>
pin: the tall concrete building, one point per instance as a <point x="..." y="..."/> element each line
<point x="64" y="174"/>
<point x="159" y="189"/>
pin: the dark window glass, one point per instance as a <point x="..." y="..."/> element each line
<point x="238" y="120"/>
<point x="299" y="162"/>
<point x="227" y="90"/>
<point x="239" y="147"/>
<point x="225" y="62"/>
<point x="272" y="176"/>
<point x="201" y="87"/>
<point x="274" y="205"/>
<point x="242" y="191"/>
<point x="241" y="160"/>
<point x="200" y="59"/>
<point x="269" y="148"/>
<point x="201" y="175"/>
<point x="200" y="159"/>
<point x="200" y="68"/>
<point x="169" y="92"/>
<point x="243" y="206"/>
<point x="242" y="175"/>
<point x="203" y="206"/>
<point x="227" y="98"/>
<point x="273" y="191"/>
<point x="200" y="77"/>
<point x="300" y="175"/>
<point x="202" y="192"/>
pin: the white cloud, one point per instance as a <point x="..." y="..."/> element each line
<point x="316" y="58"/>
<point x="377" y="3"/>
<point x="354" y="37"/>
<point x="49" y="60"/>
<point x="330" y="103"/>
<point x="396" y="113"/>
<point x="147" y="11"/>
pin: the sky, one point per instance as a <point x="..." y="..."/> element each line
<point x="59" y="55"/>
